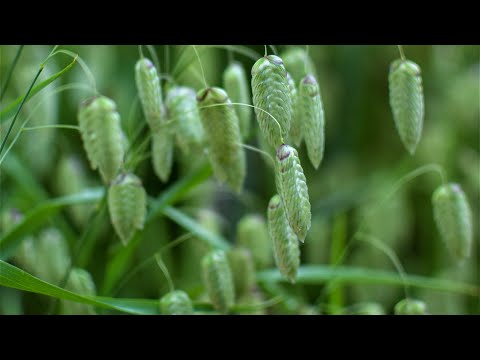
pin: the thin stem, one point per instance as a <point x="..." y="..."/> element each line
<point x="154" y="56"/>
<point x="10" y="71"/>
<point x="20" y="108"/>
<point x="230" y="56"/>
<point x="307" y="48"/>
<point x="166" y="59"/>
<point x="273" y="49"/>
<point x="165" y="272"/>
<point x="391" y="255"/>
<point x="256" y="150"/>
<point x="59" y="126"/>
<point x="265" y="50"/>
<point x="140" y="51"/>
<point x="85" y="68"/>
<point x="400" y="50"/>
<point x="201" y="66"/>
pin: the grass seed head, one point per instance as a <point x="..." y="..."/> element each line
<point x="176" y="302"/>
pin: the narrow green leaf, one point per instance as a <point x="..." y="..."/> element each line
<point x="11" y="276"/>
<point x="191" y="225"/>
<point x="38" y="216"/>
<point x="9" y="110"/>
<point x="318" y="274"/>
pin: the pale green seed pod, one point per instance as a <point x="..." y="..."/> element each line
<point x="162" y="151"/>
<point x="296" y="133"/>
<point x="102" y="135"/>
<point x="149" y="92"/>
<point x="271" y="93"/>
<point x="127" y="204"/>
<point x="236" y="84"/>
<point x="410" y="307"/>
<point x="298" y="63"/>
<point x="312" y="119"/>
<point x="243" y="270"/>
<point x="292" y="187"/>
<point x="71" y="179"/>
<point x="454" y="219"/>
<point x="223" y="137"/>
<point x="218" y="280"/>
<point x="79" y="281"/>
<point x="46" y="257"/>
<point x="252" y="234"/>
<point x="285" y="242"/>
<point x="406" y="101"/>
<point x="182" y="109"/>
<point x="176" y="302"/>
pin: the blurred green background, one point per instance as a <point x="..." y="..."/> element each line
<point x="364" y="157"/>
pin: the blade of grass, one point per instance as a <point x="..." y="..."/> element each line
<point x="13" y="277"/>
<point x="10" y="71"/>
<point x="8" y="111"/>
<point x="319" y="274"/>
<point x="38" y="216"/>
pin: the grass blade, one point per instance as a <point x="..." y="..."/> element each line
<point x="13" y="277"/>
<point x="38" y="216"/>
<point x="8" y="111"/>
<point x="319" y="274"/>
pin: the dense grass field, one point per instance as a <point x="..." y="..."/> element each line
<point x="141" y="179"/>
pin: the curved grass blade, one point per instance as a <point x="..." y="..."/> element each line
<point x="8" y="111"/>
<point x="13" y="277"/>
<point x="10" y="71"/>
<point x="318" y="274"/>
<point x="38" y="216"/>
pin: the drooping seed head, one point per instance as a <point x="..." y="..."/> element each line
<point x="285" y="242"/>
<point x="162" y="151"/>
<point x="292" y="187"/>
<point x="243" y="270"/>
<point x="312" y="119"/>
<point x="102" y="135"/>
<point x="127" y="201"/>
<point x="79" y="281"/>
<point x="236" y="84"/>
<point x="298" y="63"/>
<point x="453" y="217"/>
<point x="149" y="91"/>
<point x="182" y="109"/>
<point x="221" y="126"/>
<point x="271" y="93"/>
<point x="406" y="101"/>
<point x="295" y="125"/>
<point x="410" y="307"/>
<point x="218" y="280"/>
<point x="176" y="302"/>
<point x="368" y="308"/>
<point x="252" y="234"/>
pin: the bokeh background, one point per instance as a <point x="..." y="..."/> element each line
<point x="364" y="158"/>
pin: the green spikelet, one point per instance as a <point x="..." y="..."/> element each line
<point x="243" y="270"/>
<point x="71" y="179"/>
<point x="182" y="110"/>
<point x="292" y="187"/>
<point x="127" y="201"/>
<point x="285" y="242"/>
<point x="406" y="101"/>
<point x="218" y="280"/>
<point x="298" y="63"/>
<point x="149" y="92"/>
<point x="271" y="93"/>
<point x="162" y="151"/>
<point x="410" y="307"/>
<point x="236" y="84"/>
<point x="296" y="126"/>
<point x="79" y="281"/>
<point x="102" y="135"/>
<point x="252" y="234"/>
<point x="312" y="119"/>
<point x="176" y="302"/>
<point x="454" y="219"/>
<point x="223" y="137"/>
<point x="46" y="257"/>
